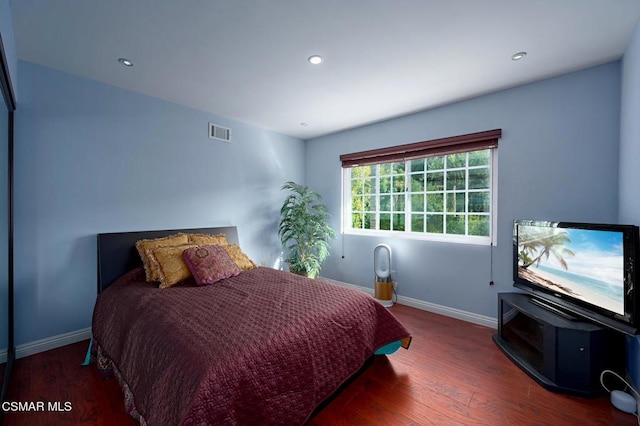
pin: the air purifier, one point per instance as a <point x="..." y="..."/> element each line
<point x="382" y="268"/>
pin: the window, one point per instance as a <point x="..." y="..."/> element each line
<point x="445" y="192"/>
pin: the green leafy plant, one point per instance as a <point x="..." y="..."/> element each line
<point x="304" y="230"/>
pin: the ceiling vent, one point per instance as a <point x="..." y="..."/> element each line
<point x="219" y="133"/>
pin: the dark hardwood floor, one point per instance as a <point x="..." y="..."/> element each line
<point x="452" y="374"/>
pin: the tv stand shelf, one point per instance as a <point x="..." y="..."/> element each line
<point x="562" y="353"/>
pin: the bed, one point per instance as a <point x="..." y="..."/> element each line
<point x="261" y="347"/>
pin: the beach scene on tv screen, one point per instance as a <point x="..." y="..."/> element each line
<point x="585" y="264"/>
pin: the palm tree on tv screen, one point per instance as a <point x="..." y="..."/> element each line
<point x="535" y="246"/>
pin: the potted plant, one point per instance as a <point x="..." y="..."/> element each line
<point x="304" y="230"/>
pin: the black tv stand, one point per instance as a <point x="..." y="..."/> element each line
<point x="553" y="309"/>
<point x="561" y="354"/>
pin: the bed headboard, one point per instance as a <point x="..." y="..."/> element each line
<point x="117" y="252"/>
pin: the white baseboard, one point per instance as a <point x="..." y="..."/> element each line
<point x="430" y="307"/>
<point x="343" y="284"/>
<point x="449" y="312"/>
<point x="49" y="343"/>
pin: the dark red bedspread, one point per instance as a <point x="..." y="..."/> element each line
<point x="264" y="347"/>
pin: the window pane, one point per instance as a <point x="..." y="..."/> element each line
<point x="398" y="203"/>
<point x="417" y="202"/>
<point x="417" y="223"/>
<point x="370" y="185"/>
<point x="385" y="221"/>
<point x="455" y="202"/>
<point x="398" y="222"/>
<point x="385" y="185"/>
<point x="385" y="203"/>
<point x="357" y="204"/>
<point x="479" y="225"/>
<point x="435" y="163"/>
<point x="398" y="168"/>
<point x="385" y="169"/>
<point x="359" y="172"/>
<point x="398" y="183"/>
<point x="479" y="158"/>
<point x="435" y="181"/>
<point x="479" y="178"/>
<point x="370" y="221"/>
<point x="479" y="202"/>
<point x="455" y="180"/>
<point x="417" y="182"/>
<point x="456" y="160"/>
<point x="369" y="203"/>
<point x="356" y="186"/>
<point x="455" y="224"/>
<point x="356" y="220"/>
<point x="417" y="165"/>
<point x="435" y="203"/>
<point x="434" y="223"/>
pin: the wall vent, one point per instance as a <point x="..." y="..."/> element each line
<point x="219" y="133"/>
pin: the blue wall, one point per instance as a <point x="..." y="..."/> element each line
<point x="94" y="158"/>
<point x="557" y="160"/>
<point x="630" y="133"/>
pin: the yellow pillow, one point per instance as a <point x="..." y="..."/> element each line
<point x="208" y="240"/>
<point x="145" y="249"/>
<point x="172" y="268"/>
<point x="239" y="257"/>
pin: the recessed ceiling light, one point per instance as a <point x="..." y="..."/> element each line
<point x="315" y="59"/>
<point x="518" y="56"/>
<point x="125" y="62"/>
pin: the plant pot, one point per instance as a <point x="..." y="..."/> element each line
<point x="303" y="272"/>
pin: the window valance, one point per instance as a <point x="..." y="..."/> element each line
<point x="435" y="147"/>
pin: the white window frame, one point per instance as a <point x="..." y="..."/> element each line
<point x="346" y="213"/>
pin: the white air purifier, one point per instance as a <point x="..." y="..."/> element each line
<point x="382" y="268"/>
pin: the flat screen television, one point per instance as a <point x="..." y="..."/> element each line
<point x="582" y="269"/>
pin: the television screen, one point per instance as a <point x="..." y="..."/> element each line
<point x="582" y="263"/>
<point x="588" y="269"/>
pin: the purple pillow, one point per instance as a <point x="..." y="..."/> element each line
<point x="209" y="264"/>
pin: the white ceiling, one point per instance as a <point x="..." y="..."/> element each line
<point x="247" y="59"/>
